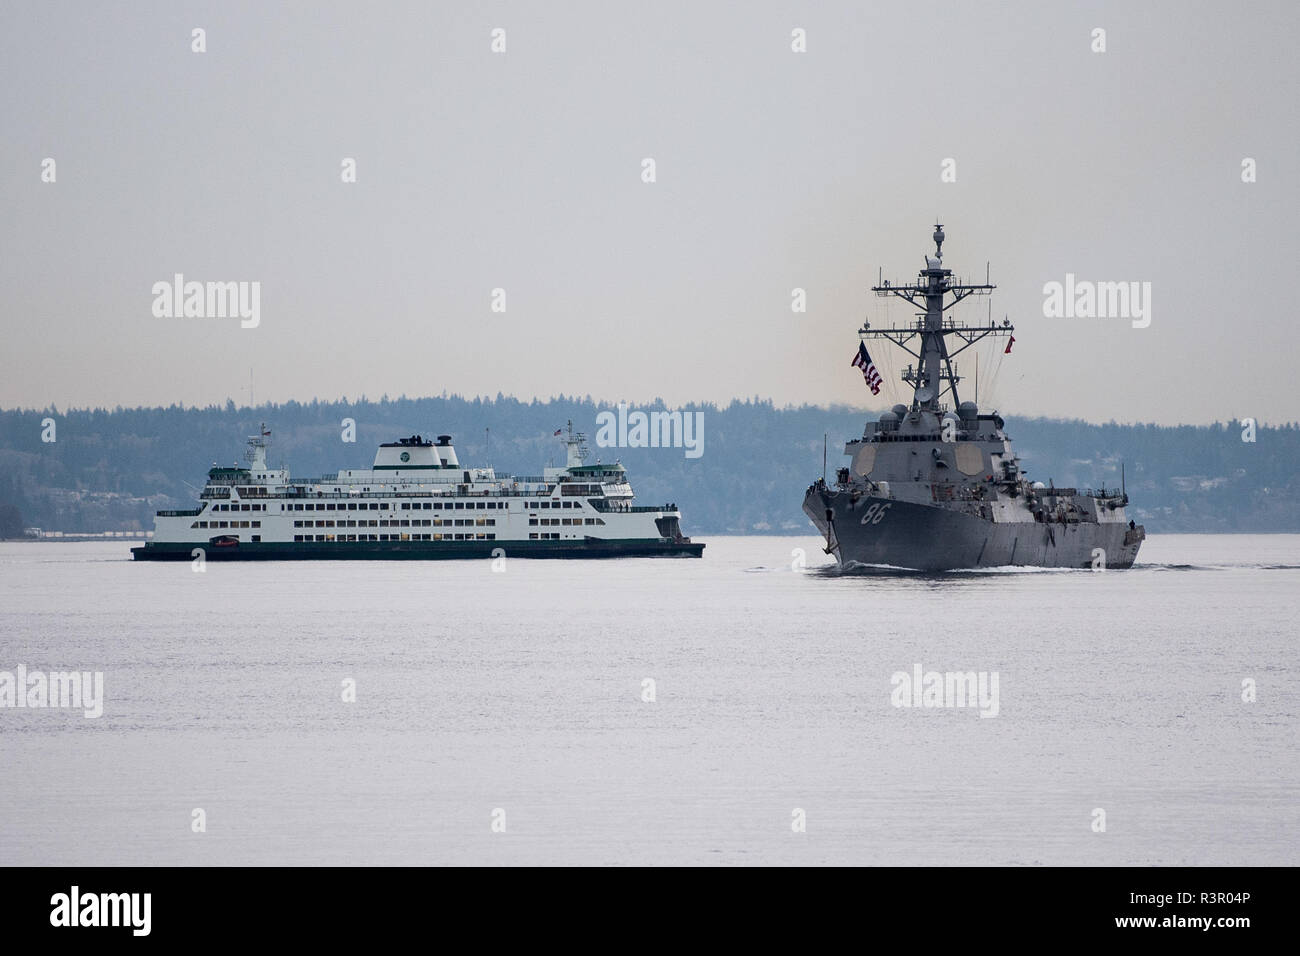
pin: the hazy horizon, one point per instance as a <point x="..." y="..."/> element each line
<point x="522" y="170"/>
<point x="241" y="405"/>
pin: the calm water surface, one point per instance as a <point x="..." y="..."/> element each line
<point x="522" y="690"/>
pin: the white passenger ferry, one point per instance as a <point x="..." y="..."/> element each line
<point x="417" y="501"/>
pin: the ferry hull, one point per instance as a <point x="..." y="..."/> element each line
<point x="926" y="538"/>
<point x="417" y="550"/>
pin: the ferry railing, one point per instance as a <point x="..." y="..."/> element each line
<point x="606" y="506"/>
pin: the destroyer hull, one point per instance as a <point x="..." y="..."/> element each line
<point x="416" y="550"/>
<point x="929" y="538"/>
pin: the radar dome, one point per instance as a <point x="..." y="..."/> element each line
<point x="968" y="410"/>
<point x="899" y="410"/>
<point x="1038" y="486"/>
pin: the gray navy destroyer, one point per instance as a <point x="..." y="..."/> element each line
<point x="935" y="485"/>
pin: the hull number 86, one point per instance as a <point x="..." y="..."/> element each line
<point x="875" y="513"/>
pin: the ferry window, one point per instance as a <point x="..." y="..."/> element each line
<point x="297" y="537"/>
<point x="406" y="506"/>
<point x="532" y="522"/>
<point x="492" y="537"/>
<point x="427" y="506"/>
<point x="533" y="535"/>
<point x="406" y="524"/>
<point x="257" y="524"/>
<point x="373" y="506"/>
<point x="460" y="506"/>
<point x="257" y="537"/>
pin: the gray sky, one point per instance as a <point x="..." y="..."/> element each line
<point x="522" y="171"/>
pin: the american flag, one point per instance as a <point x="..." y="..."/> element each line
<point x="863" y="361"/>
<point x="558" y="430"/>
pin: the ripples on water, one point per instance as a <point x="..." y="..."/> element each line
<point x="523" y="691"/>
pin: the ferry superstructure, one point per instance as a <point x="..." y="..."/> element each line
<point x="417" y="501"/>
<point x="933" y="486"/>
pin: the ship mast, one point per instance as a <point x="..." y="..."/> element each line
<point x="576" y="443"/>
<point x="934" y="373"/>
<point x="257" y="447"/>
